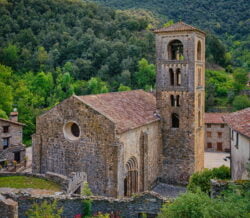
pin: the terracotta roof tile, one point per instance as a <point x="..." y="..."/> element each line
<point x="215" y="118"/>
<point x="13" y="122"/>
<point x="128" y="110"/>
<point x="239" y="121"/>
<point x="178" y="27"/>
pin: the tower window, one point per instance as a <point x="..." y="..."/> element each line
<point x="171" y="75"/>
<point x="178" y="101"/>
<point x="175" y="50"/>
<point x="199" y="51"/>
<point x="178" y="77"/>
<point x="175" y="120"/>
<point x="199" y="101"/>
<point x="172" y="99"/>
<point x="199" y="77"/>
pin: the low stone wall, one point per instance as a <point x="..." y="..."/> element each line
<point x="147" y="202"/>
<point x="8" y="208"/>
<point x="68" y="184"/>
<point x="218" y="186"/>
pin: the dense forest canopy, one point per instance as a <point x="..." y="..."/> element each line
<point x="227" y="19"/>
<point x="51" y="49"/>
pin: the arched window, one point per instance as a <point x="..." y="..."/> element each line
<point x="175" y="50"/>
<point x="131" y="180"/>
<point x="178" y="101"/>
<point x="171" y="76"/>
<point x="172" y="99"/>
<point x="175" y="120"/>
<point x="199" y="51"/>
<point x="178" y="76"/>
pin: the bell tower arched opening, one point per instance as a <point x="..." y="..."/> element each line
<point x="175" y="50"/>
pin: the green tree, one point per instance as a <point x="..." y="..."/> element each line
<point x="96" y="86"/>
<point x="10" y="55"/>
<point x="145" y="75"/>
<point x="241" y="102"/>
<point x="123" y="88"/>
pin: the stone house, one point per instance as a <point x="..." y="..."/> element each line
<point x="239" y="124"/>
<point x="126" y="141"/>
<point x="217" y="133"/>
<point x="11" y="135"/>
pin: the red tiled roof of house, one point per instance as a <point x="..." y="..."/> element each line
<point x="215" y="118"/>
<point x="239" y="121"/>
<point x="128" y="110"/>
<point x="13" y="122"/>
<point x="178" y="27"/>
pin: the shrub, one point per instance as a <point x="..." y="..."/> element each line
<point x="201" y="180"/>
<point x="189" y="205"/>
<point x="45" y="209"/>
<point x="233" y="203"/>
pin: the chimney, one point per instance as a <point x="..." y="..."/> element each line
<point x="14" y="116"/>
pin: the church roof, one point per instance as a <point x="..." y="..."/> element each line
<point x="239" y="121"/>
<point x="178" y="27"/>
<point x="128" y="110"/>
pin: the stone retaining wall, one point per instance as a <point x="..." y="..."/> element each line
<point x="147" y="202"/>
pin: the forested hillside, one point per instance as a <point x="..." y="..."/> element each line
<point x="227" y="19"/>
<point x="51" y="49"/>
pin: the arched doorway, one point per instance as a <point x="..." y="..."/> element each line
<point x="131" y="180"/>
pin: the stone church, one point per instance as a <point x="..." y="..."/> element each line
<point x="126" y="141"/>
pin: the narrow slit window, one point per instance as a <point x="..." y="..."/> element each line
<point x="171" y="75"/>
<point x="178" y="101"/>
<point x="178" y="77"/>
<point x="172" y="99"/>
<point x="175" y="120"/>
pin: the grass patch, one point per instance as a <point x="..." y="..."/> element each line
<point x="28" y="182"/>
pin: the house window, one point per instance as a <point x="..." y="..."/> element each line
<point x="6" y="142"/>
<point x="237" y="140"/>
<point x="219" y="146"/>
<point x="222" y="125"/>
<point x="209" y="134"/>
<point x="209" y="125"/>
<point x="232" y="135"/>
<point x="5" y="129"/>
<point x="209" y="145"/>
<point x="219" y="134"/>
<point x="175" y="120"/>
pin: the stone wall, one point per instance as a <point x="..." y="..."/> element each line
<point x="94" y="152"/>
<point x="147" y="202"/>
<point x="143" y="143"/>
<point x="68" y="184"/>
<point x="8" y="208"/>
<point x="214" y="139"/>
<point x="15" y="133"/>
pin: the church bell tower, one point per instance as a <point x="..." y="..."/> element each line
<point x="180" y="95"/>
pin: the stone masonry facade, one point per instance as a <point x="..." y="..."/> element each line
<point x="11" y="134"/>
<point x="181" y="78"/>
<point x="126" y="141"/>
<point x="217" y="133"/>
